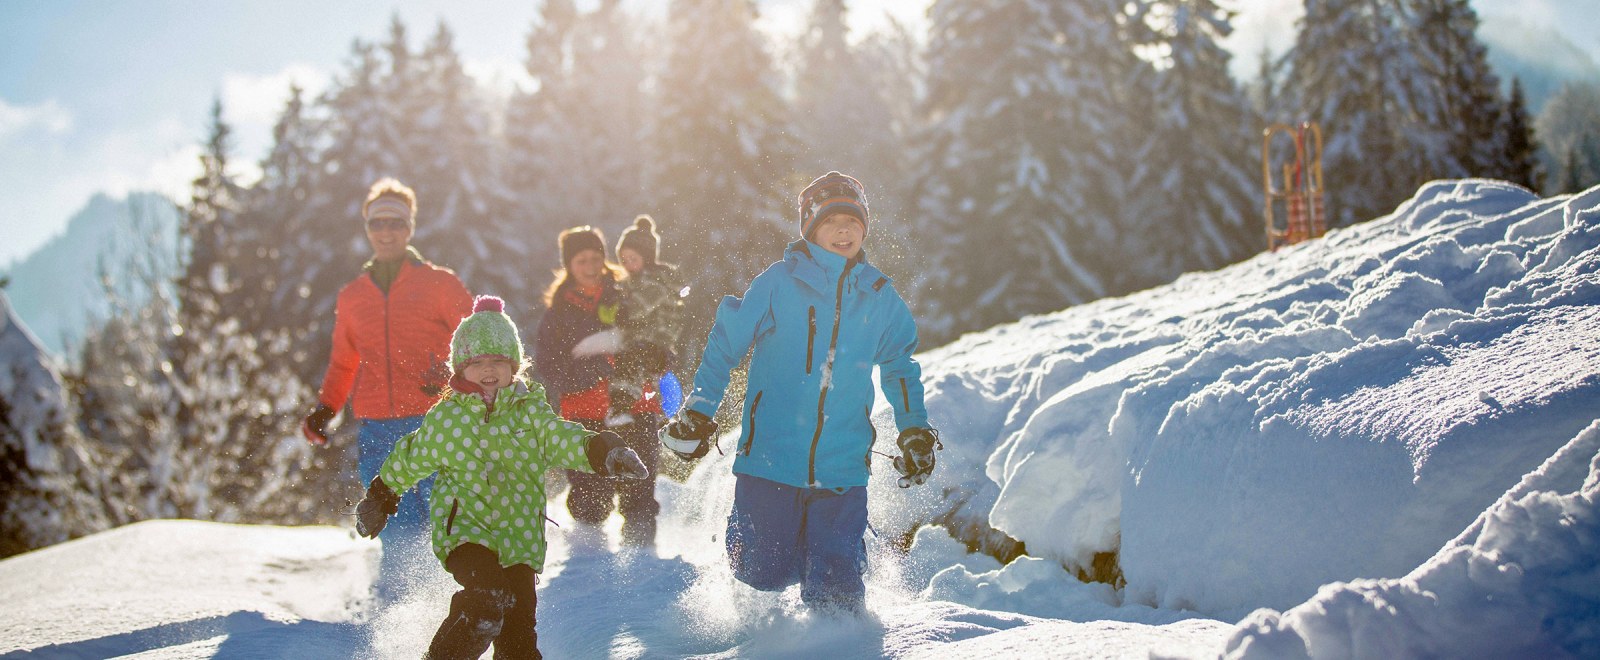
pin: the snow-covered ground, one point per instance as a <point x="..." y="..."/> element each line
<point x="1379" y="444"/>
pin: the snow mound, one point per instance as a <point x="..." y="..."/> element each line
<point x="211" y="587"/>
<point x="1524" y="582"/>
<point x="1335" y="410"/>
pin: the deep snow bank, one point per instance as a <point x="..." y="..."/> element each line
<point x="1336" y="410"/>
<point x="1523" y="582"/>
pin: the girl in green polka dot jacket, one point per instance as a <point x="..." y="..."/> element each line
<point x="490" y="438"/>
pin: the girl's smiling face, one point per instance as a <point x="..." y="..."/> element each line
<point x="586" y="267"/>
<point x="841" y="234"/>
<point x="490" y="372"/>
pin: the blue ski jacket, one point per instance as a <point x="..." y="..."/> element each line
<point x="819" y="324"/>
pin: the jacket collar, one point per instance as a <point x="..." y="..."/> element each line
<point x="412" y="255"/>
<point x="820" y="269"/>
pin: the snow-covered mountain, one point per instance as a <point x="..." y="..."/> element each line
<point x="57" y="289"/>
<point x="1378" y="444"/>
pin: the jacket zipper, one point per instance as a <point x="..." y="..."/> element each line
<point x="827" y="370"/>
<point x="388" y="344"/>
<point x="905" y="396"/>
<point x="867" y="410"/>
<point x="750" y="438"/>
<point x="811" y="334"/>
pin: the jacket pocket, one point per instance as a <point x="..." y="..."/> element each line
<point x="811" y="334"/>
<point x="450" y="523"/>
<point x="750" y="425"/>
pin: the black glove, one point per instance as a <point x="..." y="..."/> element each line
<point x="315" y="425"/>
<point x="373" y="512"/>
<point x="435" y="378"/>
<point x="916" y="457"/>
<point x="688" y="435"/>
<point x="624" y="463"/>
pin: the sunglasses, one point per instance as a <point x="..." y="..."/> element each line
<point x="391" y="224"/>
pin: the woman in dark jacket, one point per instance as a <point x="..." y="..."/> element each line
<point x="576" y="343"/>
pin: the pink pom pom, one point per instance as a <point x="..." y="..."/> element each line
<point x="488" y="304"/>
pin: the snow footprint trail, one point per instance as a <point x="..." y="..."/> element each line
<point x="619" y="605"/>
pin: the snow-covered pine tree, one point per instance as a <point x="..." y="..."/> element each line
<point x="290" y="255"/>
<point x="1569" y="127"/>
<point x="234" y="393"/>
<point x="1206" y="144"/>
<point x="1351" y="70"/>
<point x="1519" y="159"/>
<point x="465" y="218"/>
<point x="845" y="116"/>
<point x="1465" y="101"/>
<point x="48" y="479"/>
<point x="357" y="147"/>
<point x="577" y="145"/>
<point x="724" y="147"/>
<point x="1026" y="158"/>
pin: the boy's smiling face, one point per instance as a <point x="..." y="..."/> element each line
<point x="841" y="234"/>
<point x="490" y="372"/>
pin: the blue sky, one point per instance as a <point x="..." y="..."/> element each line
<point x="108" y="96"/>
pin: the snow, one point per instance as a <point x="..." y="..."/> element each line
<point x="1379" y="444"/>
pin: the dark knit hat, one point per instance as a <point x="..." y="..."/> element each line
<point x="641" y="238"/>
<point x="578" y="239"/>
<point x="829" y="194"/>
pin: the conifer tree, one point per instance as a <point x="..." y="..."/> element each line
<point x="1027" y="156"/>
<point x="1205" y="145"/>
<point x="577" y="143"/>
<point x="1462" y="105"/>
<point x="51" y="491"/>
<point x="1569" y="125"/>
<point x="845" y="115"/>
<point x="1348" y="61"/>
<point x="1519" y="160"/>
<point x="725" y="147"/>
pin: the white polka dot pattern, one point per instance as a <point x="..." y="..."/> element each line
<point x="490" y="488"/>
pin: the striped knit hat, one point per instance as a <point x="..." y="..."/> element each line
<point x="829" y="194"/>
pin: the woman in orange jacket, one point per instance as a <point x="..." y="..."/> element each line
<point x="391" y="332"/>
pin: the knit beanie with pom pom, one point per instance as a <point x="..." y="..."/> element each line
<point x="488" y="331"/>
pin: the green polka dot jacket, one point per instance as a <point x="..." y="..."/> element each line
<point x="490" y="488"/>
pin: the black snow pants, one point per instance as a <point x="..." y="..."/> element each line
<point x="593" y="497"/>
<point x="495" y="605"/>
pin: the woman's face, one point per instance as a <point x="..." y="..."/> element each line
<point x="586" y="267"/>
<point x="841" y="234"/>
<point x="388" y="237"/>
<point x="631" y="260"/>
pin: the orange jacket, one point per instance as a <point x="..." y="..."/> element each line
<point x="394" y="350"/>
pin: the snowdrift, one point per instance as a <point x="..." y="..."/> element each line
<point x="1340" y="409"/>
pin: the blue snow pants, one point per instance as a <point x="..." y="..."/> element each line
<point x="405" y="539"/>
<point x="780" y="535"/>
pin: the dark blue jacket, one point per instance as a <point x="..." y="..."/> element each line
<point x="819" y="325"/>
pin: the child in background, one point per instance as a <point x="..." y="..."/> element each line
<point x="490" y="439"/>
<point x="819" y="321"/>
<point x="651" y="319"/>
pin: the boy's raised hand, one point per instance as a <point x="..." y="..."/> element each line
<point x="373" y="512"/>
<point x="689" y="435"/>
<point x="623" y="462"/>
<point x="916" y="457"/>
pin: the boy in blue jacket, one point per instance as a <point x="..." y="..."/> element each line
<point x="818" y="321"/>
